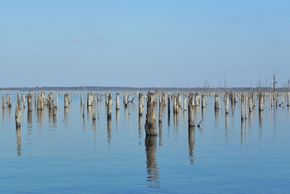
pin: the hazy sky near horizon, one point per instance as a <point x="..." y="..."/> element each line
<point x="174" y="43"/>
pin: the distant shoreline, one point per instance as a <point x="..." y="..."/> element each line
<point x="100" y="88"/>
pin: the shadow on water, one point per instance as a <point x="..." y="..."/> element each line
<point x="151" y="162"/>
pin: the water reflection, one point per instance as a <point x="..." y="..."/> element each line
<point x="66" y="115"/>
<point x="191" y="144"/>
<point x="19" y="141"/>
<point x="40" y="118"/>
<point x="140" y="127"/>
<point x="151" y="162"/>
<point x="109" y="130"/>
<point x="217" y="117"/>
<point x="29" y="119"/>
<point x="117" y="118"/>
<point x="226" y="127"/>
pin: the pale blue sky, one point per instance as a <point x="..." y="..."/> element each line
<point x="143" y="42"/>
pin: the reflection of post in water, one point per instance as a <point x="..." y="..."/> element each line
<point x="152" y="167"/>
<point x="109" y="129"/>
<point x="117" y="118"/>
<point x="226" y="126"/>
<point x="128" y="116"/>
<point x="243" y="131"/>
<point x="54" y="117"/>
<point x="9" y="114"/>
<point x="175" y="119"/>
<point x="217" y="117"/>
<point x="191" y="143"/>
<point x="66" y="114"/>
<point x="40" y="117"/>
<point x="19" y="141"/>
<point x="3" y="115"/>
<point x="140" y="125"/>
<point x="160" y="133"/>
<point x="29" y="119"/>
<point x="168" y="111"/>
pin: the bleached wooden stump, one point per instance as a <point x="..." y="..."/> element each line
<point x="66" y="99"/>
<point x="109" y="106"/>
<point x="40" y="101"/>
<point x="3" y="102"/>
<point x="118" y="101"/>
<point x="29" y="102"/>
<point x="191" y="119"/>
<point x="150" y="125"/>
<point x="227" y="104"/>
<point x="90" y="99"/>
<point x="261" y="101"/>
<point x="141" y="103"/>
<point x="18" y="116"/>
<point x="217" y="106"/>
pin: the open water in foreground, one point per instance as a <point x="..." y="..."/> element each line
<point x="69" y="153"/>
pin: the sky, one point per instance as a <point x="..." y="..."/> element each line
<point x="144" y="43"/>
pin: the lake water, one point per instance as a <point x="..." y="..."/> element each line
<point x="69" y="153"/>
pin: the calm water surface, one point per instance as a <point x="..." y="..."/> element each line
<point x="69" y="153"/>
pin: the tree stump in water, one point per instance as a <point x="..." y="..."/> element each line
<point x="191" y="120"/>
<point x="261" y="102"/>
<point x="30" y="102"/>
<point x="141" y="103"/>
<point x="66" y="99"/>
<point x="150" y="125"/>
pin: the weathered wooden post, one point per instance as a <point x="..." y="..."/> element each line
<point x="250" y="103"/>
<point x="217" y="106"/>
<point x="125" y="100"/>
<point x="227" y="104"/>
<point x="117" y="101"/>
<point x="185" y="104"/>
<point x="203" y="101"/>
<point x="66" y="99"/>
<point x="109" y="106"/>
<point x="3" y="102"/>
<point x="161" y="108"/>
<point x="191" y="120"/>
<point x="90" y="100"/>
<point x="9" y="102"/>
<point x="261" y="102"/>
<point x="176" y="104"/>
<point x="40" y="101"/>
<point x="29" y="102"/>
<point x="23" y="99"/>
<point x="197" y="99"/>
<point x="168" y="110"/>
<point x="18" y="100"/>
<point x="81" y="100"/>
<point x="50" y="101"/>
<point x="150" y="125"/>
<point x="18" y="116"/>
<point x="288" y="99"/>
<point x="243" y="107"/>
<point x="141" y="103"/>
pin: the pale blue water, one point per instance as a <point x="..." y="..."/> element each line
<point x="69" y="154"/>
